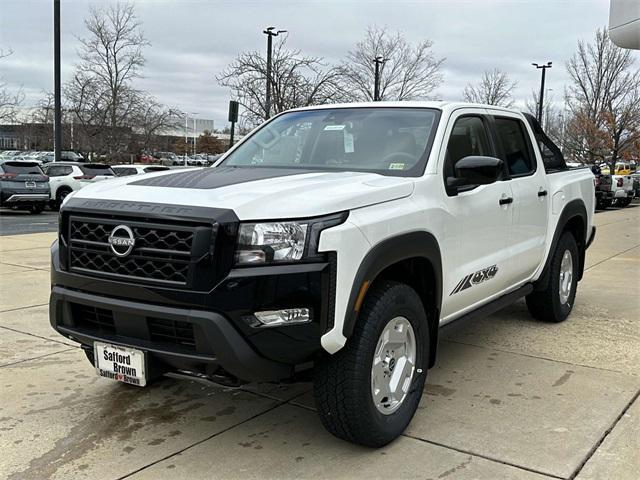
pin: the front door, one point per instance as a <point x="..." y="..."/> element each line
<point x="476" y="232"/>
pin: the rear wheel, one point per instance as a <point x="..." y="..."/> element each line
<point x="36" y="208"/>
<point x="555" y="302"/>
<point x="61" y="195"/>
<point x="368" y="392"/>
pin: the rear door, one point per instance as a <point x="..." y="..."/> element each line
<point x="477" y="229"/>
<point x="530" y="196"/>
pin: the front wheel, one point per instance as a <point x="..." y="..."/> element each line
<point x="555" y="302"/>
<point x="368" y="392"/>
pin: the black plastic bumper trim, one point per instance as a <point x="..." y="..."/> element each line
<point x="232" y="352"/>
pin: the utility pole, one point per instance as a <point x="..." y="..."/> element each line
<point x="541" y="102"/>
<point x="376" y="82"/>
<point x="57" y="115"/>
<point x="270" y="32"/>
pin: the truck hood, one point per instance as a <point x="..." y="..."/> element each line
<point x="256" y="193"/>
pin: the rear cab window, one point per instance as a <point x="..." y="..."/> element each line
<point x="515" y="147"/>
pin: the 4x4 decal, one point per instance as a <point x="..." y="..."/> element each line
<point x="476" y="278"/>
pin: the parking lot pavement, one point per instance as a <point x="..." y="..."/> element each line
<point x="16" y="222"/>
<point x="509" y="398"/>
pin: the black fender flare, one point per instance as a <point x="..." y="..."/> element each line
<point x="571" y="210"/>
<point x="388" y="252"/>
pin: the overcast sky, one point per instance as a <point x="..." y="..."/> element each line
<point x="193" y="40"/>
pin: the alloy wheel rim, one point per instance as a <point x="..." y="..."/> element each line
<point x="566" y="276"/>
<point x="393" y="365"/>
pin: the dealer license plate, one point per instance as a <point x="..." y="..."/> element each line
<point x="120" y="363"/>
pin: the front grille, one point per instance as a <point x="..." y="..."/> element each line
<point x="171" y="331"/>
<point x="93" y="318"/>
<point x="162" y="253"/>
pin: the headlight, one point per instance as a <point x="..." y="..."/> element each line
<point x="271" y="242"/>
<point x="285" y="241"/>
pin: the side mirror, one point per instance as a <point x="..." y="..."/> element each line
<point x="475" y="170"/>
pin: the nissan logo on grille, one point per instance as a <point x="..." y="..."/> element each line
<point x="121" y="240"/>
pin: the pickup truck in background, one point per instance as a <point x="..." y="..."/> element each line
<point x="603" y="190"/>
<point x="623" y="190"/>
<point x="337" y="241"/>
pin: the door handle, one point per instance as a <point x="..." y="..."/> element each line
<point x="542" y="193"/>
<point x="505" y="201"/>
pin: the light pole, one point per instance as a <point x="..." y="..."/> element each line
<point x="57" y="99"/>
<point x="376" y="81"/>
<point x="186" y="134"/>
<point x="540" y="105"/>
<point x="195" y="134"/>
<point x="270" y="32"/>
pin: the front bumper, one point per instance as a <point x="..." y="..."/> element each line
<point x="223" y="341"/>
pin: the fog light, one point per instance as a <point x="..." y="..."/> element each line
<point x="278" y="318"/>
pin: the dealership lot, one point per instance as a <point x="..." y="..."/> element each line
<point x="509" y="398"/>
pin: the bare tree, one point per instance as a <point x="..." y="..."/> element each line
<point x="296" y="81"/>
<point x="101" y="93"/>
<point x="9" y="100"/>
<point x="604" y="98"/>
<point x="409" y="72"/>
<point x="494" y="88"/>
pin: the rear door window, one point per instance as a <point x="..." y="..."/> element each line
<point x="516" y="150"/>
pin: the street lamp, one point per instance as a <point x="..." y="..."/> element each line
<point x="186" y="134"/>
<point x="270" y="32"/>
<point x="376" y="82"/>
<point x="544" y="69"/>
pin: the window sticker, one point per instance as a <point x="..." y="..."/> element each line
<point x="334" y="127"/>
<point x="348" y="142"/>
<point x="396" y="166"/>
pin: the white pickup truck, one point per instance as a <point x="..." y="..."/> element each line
<point x="339" y="240"/>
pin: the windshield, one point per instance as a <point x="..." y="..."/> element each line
<point x="390" y="141"/>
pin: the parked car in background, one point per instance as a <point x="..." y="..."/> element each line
<point x="623" y="191"/>
<point x="604" y="194"/>
<point x="23" y="186"/>
<point x="169" y="158"/>
<point x="148" y="158"/>
<point x="67" y="177"/>
<point x="127" y="170"/>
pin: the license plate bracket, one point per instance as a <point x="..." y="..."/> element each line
<point x="120" y="363"/>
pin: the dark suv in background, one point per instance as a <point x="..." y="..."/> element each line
<point x="23" y="186"/>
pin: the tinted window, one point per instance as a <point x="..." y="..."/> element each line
<point x="95" y="169"/>
<point x="56" y="171"/>
<point x="468" y="137"/>
<point x="125" y="172"/>
<point x="156" y="168"/>
<point x="515" y="145"/>
<point x="22" y="168"/>
<point x="385" y="140"/>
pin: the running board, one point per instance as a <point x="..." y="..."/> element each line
<point x="485" y="310"/>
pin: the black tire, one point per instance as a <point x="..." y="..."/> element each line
<point x="546" y="305"/>
<point x="36" y="208"/>
<point x="60" y="196"/>
<point x="342" y="383"/>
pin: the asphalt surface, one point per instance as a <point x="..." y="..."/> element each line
<point x="18" y="222"/>
<point x="509" y="398"/>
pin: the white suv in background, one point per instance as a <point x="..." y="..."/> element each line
<point x="66" y="177"/>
